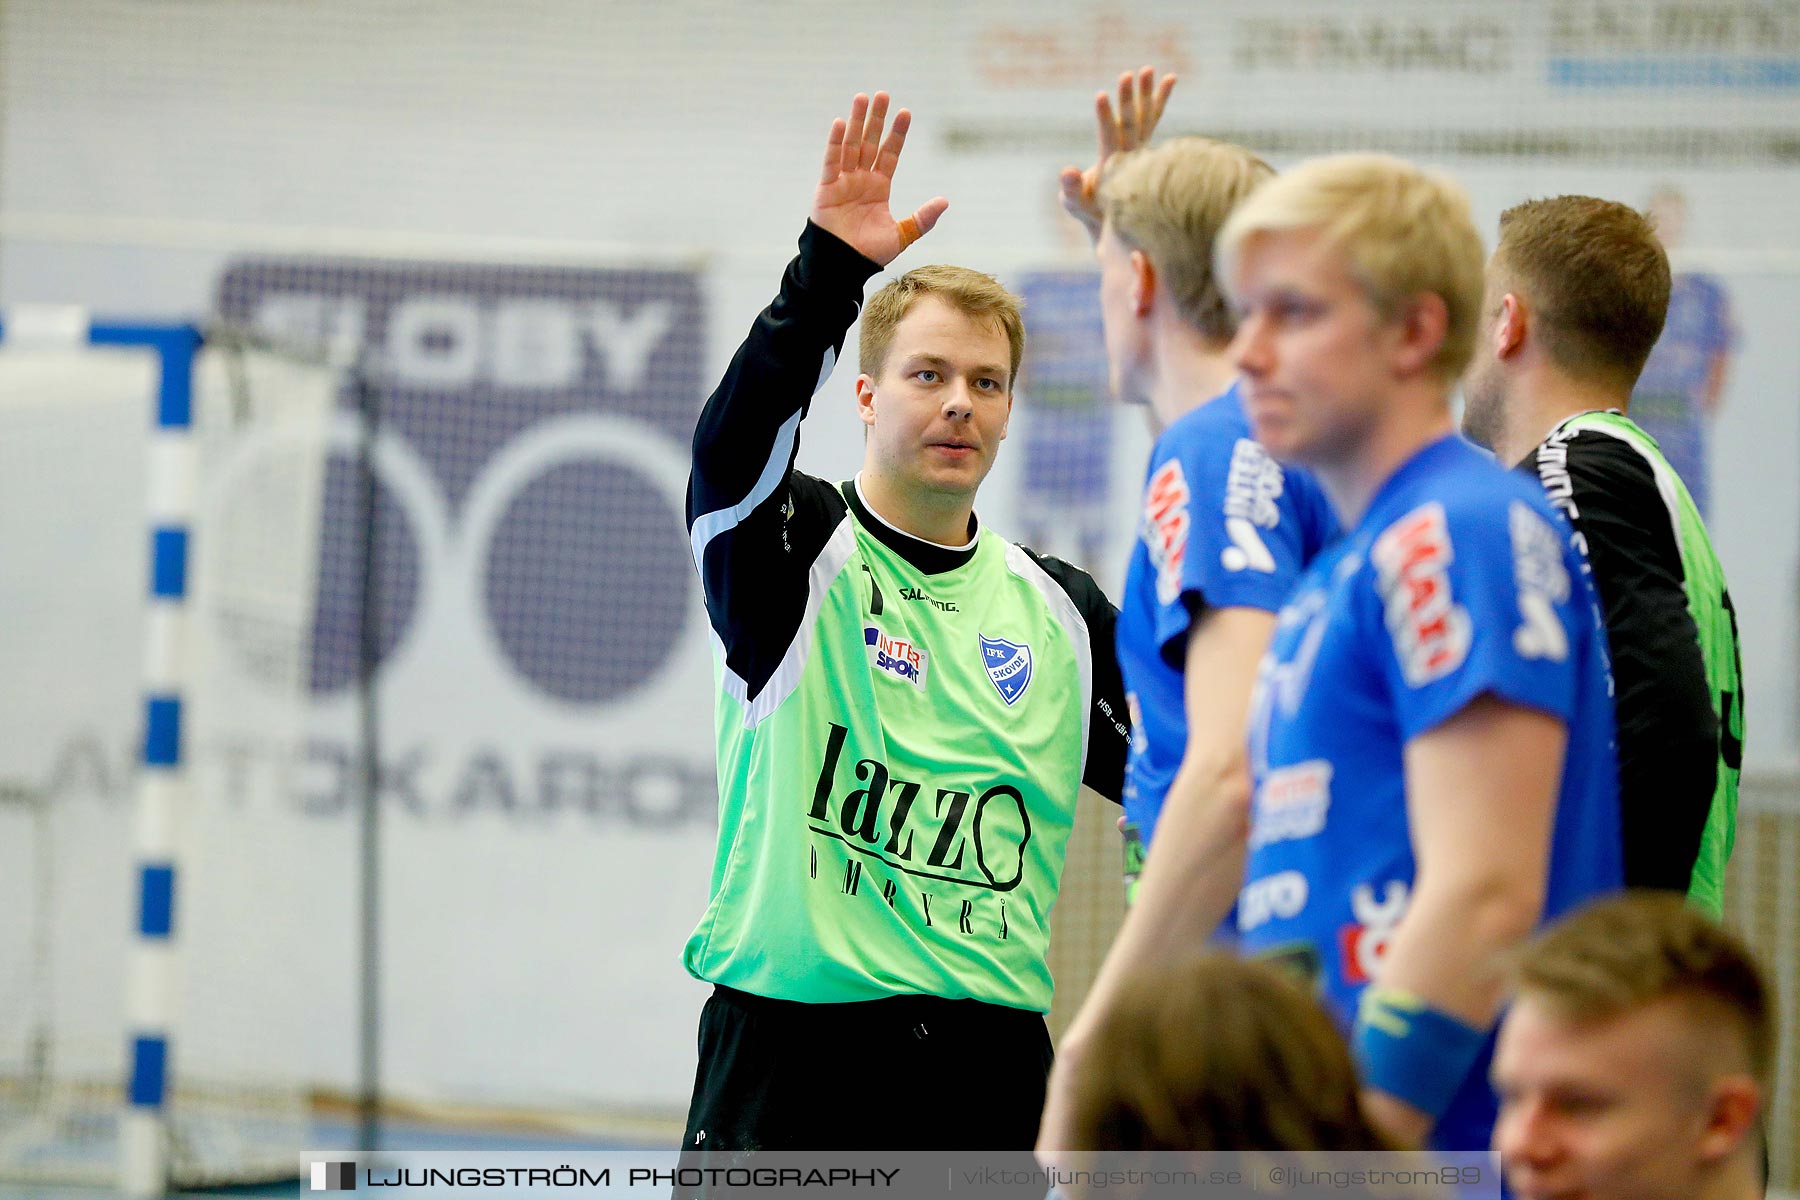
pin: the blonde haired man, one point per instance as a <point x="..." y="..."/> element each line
<point x="1430" y="738"/>
<point x="1635" y="1059"/>
<point x="1223" y="533"/>
<point x="907" y="707"/>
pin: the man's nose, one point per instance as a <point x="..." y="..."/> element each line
<point x="1524" y="1135"/>
<point x="1249" y="350"/>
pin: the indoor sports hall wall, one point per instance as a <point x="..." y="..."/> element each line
<point x="552" y="220"/>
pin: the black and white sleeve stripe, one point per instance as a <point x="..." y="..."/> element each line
<point x="755" y="523"/>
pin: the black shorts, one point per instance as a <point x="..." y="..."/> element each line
<point x="900" y="1073"/>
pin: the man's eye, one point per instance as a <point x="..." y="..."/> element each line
<point x="988" y="385"/>
<point x="1582" y="1106"/>
<point x="926" y="375"/>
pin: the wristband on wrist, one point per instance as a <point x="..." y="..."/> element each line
<point x="1408" y="1049"/>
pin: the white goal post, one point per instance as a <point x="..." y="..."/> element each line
<point x="159" y="507"/>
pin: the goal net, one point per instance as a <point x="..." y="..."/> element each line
<point x="75" y="443"/>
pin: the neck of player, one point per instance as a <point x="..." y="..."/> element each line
<point x="1414" y="416"/>
<point x="1740" y="1178"/>
<point x="1546" y="398"/>
<point x="940" y="517"/>
<point x="1187" y="369"/>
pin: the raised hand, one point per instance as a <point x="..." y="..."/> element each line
<point x="858" y="176"/>
<point x="1142" y="98"/>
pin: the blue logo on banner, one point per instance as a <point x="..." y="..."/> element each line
<point x="1008" y="665"/>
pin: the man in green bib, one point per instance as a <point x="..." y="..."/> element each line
<point x="1576" y="294"/>
<point x="907" y="708"/>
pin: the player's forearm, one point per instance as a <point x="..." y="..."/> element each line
<point x="1440" y="974"/>
<point x="1196" y="861"/>
<point x="1447" y="949"/>
<point x="1196" y="866"/>
<point x="1188" y="884"/>
<point x="1481" y="795"/>
<point x="1189" y="880"/>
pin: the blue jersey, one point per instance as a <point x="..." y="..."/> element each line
<point x="1223" y="526"/>
<point x="1458" y="581"/>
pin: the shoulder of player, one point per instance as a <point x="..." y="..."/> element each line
<point x="1210" y="446"/>
<point x="811" y="492"/>
<point x="1218" y="421"/>
<point x="810" y="508"/>
<point x="1470" y="491"/>
<point x="1076" y="583"/>
<point x="1606" y="460"/>
<point x="1600" y="470"/>
<point x="1464" y="514"/>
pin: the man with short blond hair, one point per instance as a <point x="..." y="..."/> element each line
<point x="1635" y="1060"/>
<point x="1430" y="737"/>
<point x="907" y="707"/>
<point x="973" y="293"/>
<point x="1171" y="201"/>
<point x="1223" y="532"/>
<point x="1600" y="278"/>
<point x="1576" y="292"/>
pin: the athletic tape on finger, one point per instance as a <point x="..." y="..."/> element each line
<point x="909" y="232"/>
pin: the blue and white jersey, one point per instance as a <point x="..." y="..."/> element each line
<point x="1458" y="581"/>
<point x="1223" y="526"/>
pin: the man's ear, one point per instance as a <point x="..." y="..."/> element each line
<point x="1510" y="326"/>
<point x="1731" y="1112"/>
<point x="1423" y="322"/>
<point x="1143" y="283"/>
<point x="865" y="399"/>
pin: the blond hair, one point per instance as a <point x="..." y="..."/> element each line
<point x="1628" y="952"/>
<point x="1171" y="202"/>
<point x="1218" y="1053"/>
<point x="1597" y="278"/>
<point x="1405" y="231"/>
<point x="979" y="297"/>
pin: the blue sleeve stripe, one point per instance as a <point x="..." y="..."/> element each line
<point x="156" y="900"/>
<point x="149" y="1071"/>
<point x="168" y="561"/>
<point x="162" y="731"/>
